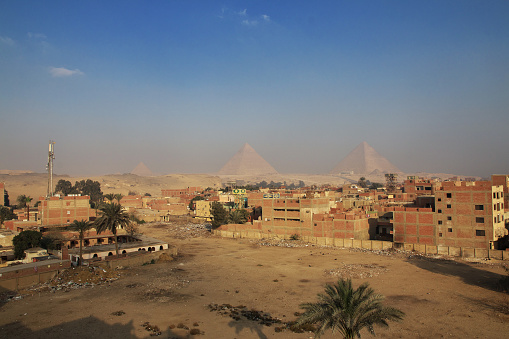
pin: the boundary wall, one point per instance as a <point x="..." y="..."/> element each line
<point x="15" y="277"/>
<point x="22" y="276"/>
<point x="463" y="252"/>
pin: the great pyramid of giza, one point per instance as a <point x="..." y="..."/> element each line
<point x="142" y="170"/>
<point x="247" y="162"/>
<point x="364" y="160"/>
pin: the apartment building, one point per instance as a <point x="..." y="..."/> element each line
<point x="470" y="214"/>
<point x="64" y="210"/>
<point x="292" y="215"/>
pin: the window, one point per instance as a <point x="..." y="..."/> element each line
<point x="449" y="230"/>
<point x="449" y="195"/>
<point x="448" y="205"/>
<point x="480" y="233"/>
<point x="440" y="235"/>
<point x="439" y="211"/>
<point x="440" y="222"/>
<point x="494" y="195"/>
<point x="479" y="220"/>
<point x="439" y="199"/>
<point x="479" y="207"/>
<point x="495" y="207"/>
<point x="449" y="218"/>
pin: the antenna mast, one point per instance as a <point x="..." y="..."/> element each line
<point x="51" y="156"/>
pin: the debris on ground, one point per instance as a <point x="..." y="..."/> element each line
<point x="356" y="271"/>
<point x="155" y="331"/>
<point x="241" y="312"/>
<point x="78" y="277"/>
<point x="180" y="230"/>
<point x="118" y="313"/>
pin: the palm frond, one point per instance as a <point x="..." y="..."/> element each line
<point x="348" y="311"/>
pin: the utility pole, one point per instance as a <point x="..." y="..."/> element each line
<point x="51" y="156"/>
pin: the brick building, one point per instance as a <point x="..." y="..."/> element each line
<point x="181" y="192"/>
<point x="292" y="215"/>
<point x="466" y="214"/>
<point x="64" y="210"/>
<point x="503" y="179"/>
<point x="349" y="225"/>
<point x="414" y="225"/>
<point x="470" y="214"/>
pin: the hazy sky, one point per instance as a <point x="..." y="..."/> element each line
<point x="182" y="85"/>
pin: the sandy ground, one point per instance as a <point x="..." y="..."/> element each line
<point x="441" y="298"/>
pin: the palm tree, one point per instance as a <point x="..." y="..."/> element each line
<point x="112" y="217"/>
<point x="24" y="202"/>
<point x="348" y="311"/>
<point x="81" y="227"/>
<point x="118" y="197"/>
<point x="110" y="196"/>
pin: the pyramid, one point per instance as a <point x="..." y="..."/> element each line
<point x="142" y="170"/>
<point x="247" y="162"/>
<point x="364" y="160"/>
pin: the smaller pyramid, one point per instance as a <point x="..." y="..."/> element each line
<point x="364" y="160"/>
<point x="142" y="170"/>
<point x="247" y="162"/>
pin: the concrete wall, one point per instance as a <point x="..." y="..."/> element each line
<point x="25" y="277"/>
<point x="243" y="232"/>
<point x="136" y="260"/>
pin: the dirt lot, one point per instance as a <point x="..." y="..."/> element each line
<point x="441" y="298"/>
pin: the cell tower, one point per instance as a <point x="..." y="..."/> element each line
<point x="390" y="181"/>
<point x="51" y="156"/>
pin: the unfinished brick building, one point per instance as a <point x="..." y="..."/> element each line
<point x="292" y="215"/>
<point x="64" y="210"/>
<point x="466" y="214"/>
<point x="470" y="214"/>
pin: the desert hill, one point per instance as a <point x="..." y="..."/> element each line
<point x="35" y="184"/>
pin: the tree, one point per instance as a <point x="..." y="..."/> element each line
<point x="191" y="203"/>
<point x="110" y="197"/>
<point x="375" y="185"/>
<point x="362" y="182"/>
<point x="348" y="311"/>
<point x="132" y="229"/>
<point x="219" y="214"/>
<point x="112" y="216"/>
<point x="239" y="216"/>
<point x="81" y="227"/>
<point x="24" y="202"/>
<point x="65" y="187"/>
<point x="118" y="197"/>
<point x="83" y="187"/>
<point x="6" y="214"/>
<point x="25" y="240"/>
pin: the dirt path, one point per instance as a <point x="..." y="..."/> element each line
<point x="441" y="298"/>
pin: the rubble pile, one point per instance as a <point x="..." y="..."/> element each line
<point x="78" y="277"/>
<point x="356" y="271"/>
<point x="184" y="230"/>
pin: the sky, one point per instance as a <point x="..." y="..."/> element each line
<point x="182" y="85"/>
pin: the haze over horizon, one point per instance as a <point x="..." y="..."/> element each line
<point x="182" y="85"/>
